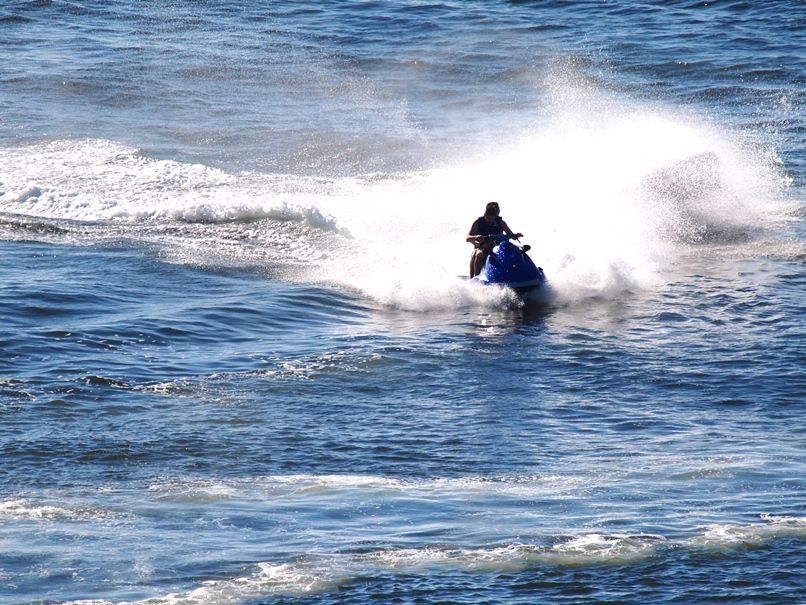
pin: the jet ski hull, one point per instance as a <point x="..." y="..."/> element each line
<point x="509" y="265"/>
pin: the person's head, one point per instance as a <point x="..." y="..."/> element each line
<point x="492" y="209"/>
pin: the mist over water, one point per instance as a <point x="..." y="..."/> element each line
<point x="240" y="361"/>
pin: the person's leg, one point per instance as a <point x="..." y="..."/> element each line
<point x="477" y="262"/>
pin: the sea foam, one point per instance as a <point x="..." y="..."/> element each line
<point x="607" y="198"/>
<point x="326" y="572"/>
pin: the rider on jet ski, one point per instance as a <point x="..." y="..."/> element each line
<point x="481" y="230"/>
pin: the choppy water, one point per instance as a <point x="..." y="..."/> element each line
<point x="237" y="361"/>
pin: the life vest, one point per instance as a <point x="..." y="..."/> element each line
<point x="482" y="227"/>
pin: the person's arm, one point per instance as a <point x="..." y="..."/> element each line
<point x="473" y="237"/>
<point x="509" y="231"/>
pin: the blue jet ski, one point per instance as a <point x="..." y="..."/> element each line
<point x="509" y="265"/>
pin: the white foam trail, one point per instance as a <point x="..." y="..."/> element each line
<point x="22" y="509"/>
<point x="726" y="535"/>
<point x="25" y="509"/>
<point x="607" y="195"/>
<point x="606" y="547"/>
<point x="322" y="568"/>
<point x="469" y="488"/>
<point x="579" y="188"/>
<point x="325" y="572"/>
<point x="97" y="180"/>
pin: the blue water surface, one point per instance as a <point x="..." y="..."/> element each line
<point x="238" y="363"/>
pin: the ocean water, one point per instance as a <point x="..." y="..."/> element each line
<point x="239" y="363"/>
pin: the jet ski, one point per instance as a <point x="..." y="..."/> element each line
<point x="509" y="265"/>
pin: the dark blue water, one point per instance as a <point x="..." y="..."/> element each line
<point x="238" y="363"/>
